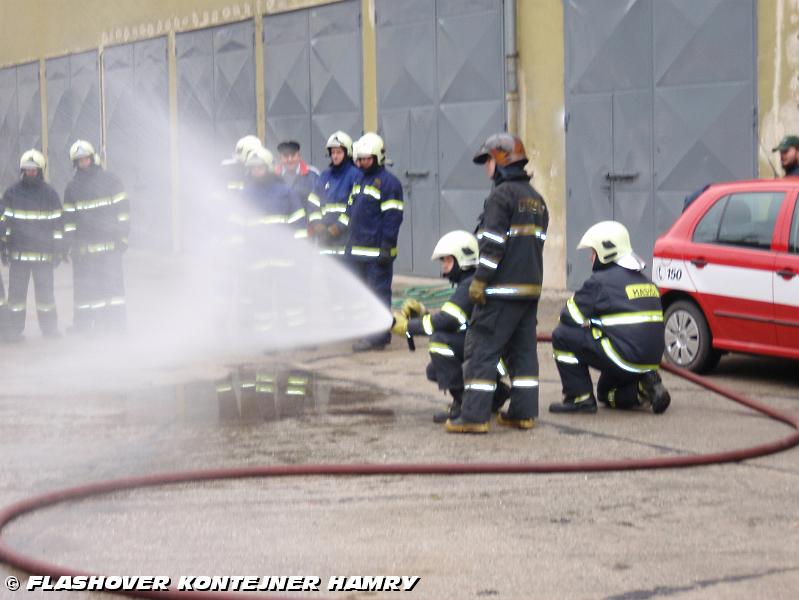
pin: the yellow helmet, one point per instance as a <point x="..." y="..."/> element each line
<point x="370" y="144"/>
<point x="611" y="242"/>
<point x="340" y="140"/>
<point x="32" y="159"/>
<point x="82" y="149"/>
<point x="460" y="244"/>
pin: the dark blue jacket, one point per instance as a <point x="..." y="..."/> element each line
<point x="268" y="202"/>
<point x="374" y="214"/>
<point x="336" y="183"/>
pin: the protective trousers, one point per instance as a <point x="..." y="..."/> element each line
<point x="575" y="349"/>
<point x="19" y="274"/>
<point x="446" y="360"/>
<point x="501" y="328"/>
<point x="378" y="279"/>
<point x="99" y="291"/>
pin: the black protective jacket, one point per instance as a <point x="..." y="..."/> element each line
<point x="623" y="311"/>
<point x="32" y="228"/>
<point x="511" y="232"/>
<point x="454" y="314"/>
<point x="96" y="212"/>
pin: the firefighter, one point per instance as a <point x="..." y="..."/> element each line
<point x="789" y="155"/>
<point x="96" y="225"/>
<point x="458" y="253"/>
<point x="302" y="177"/>
<point x="505" y="290"/>
<point x="32" y="244"/>
<point x="267" y="197"/>
<point x="234" y="166"/>
<point x="336" y="183"/>
<point x="372" y="219"/>
<point x="613" y="323"/>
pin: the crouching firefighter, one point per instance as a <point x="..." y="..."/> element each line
<point x="613" y="323"/>
<point x="458" y="253"/>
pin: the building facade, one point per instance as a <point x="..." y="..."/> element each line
<point x="625" y="106"/>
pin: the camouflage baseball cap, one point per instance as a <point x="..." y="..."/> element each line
<point x="787" y="142"/>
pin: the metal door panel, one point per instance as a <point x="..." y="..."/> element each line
<point x="335" y="42"/>
<point x="137" y="135"/>
<point x="287" y="85"/>
<point x="589" y="154"/>
<point x="395" y="125"/>
<point x="234" y="83"/>
<point x="441" y="63"/>
<point x="632" y="157"/>
<point x="703" y="42"/>
<point x="469" y="50"/>
<point x="462" y="130"/>
<point x="9" y="128"/>
<point x="73" y="110"/>
<point x="199" y="158"/>
<point x="608" y="45"/>
<point x="29" y="108"/>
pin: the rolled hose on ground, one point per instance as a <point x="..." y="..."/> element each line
<point x="37" y="567"/>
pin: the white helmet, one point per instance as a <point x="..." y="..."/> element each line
<point x="340" y="140"/>
<point x="82" y="149"/>
<point x="243" y="148"/>
<point x="260" y="157"/>
<point x="611" y="242"/>
<point x="460" y="244"/>
<point x="370" y="144"/>
<point x="32" y="159"/>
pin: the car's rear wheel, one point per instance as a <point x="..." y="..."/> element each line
<point x="687" y="336"/>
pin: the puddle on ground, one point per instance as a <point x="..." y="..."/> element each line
<point x="263" y="393"/>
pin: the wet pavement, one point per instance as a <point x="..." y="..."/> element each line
<point x="728" y="531"/>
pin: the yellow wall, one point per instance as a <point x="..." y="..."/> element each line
<point x="778" y="77"/>
<point x="34" y="29"/>
<point x="541" y="101"/>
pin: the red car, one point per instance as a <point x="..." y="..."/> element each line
<point x="728" y="272"/>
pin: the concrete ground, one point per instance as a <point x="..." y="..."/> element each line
<point x="728" y="531"/>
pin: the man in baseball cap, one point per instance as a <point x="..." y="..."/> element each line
<point x="789" y="155"/>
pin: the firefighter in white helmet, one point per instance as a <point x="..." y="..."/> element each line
<point x="336" y="182"/>
<point x="32" y="246"/>
<point x="613" y="323"/>
<point x="96" y="226"/>
<point x="458" y="253"/>
<point x="372" y="220"/>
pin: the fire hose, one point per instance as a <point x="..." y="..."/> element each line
<point x="31" y="565"/>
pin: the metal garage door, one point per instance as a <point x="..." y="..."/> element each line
<point x="216" y="107"/>
<point x="136" y="96"/>
<point x="440" y="94"/>
<point x="73" y="110"/>
<point x="312" y="76"/>
<point x="660" y="100"/>
<point x="20" y="118"/>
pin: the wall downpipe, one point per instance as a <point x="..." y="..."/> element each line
<point x="511" y="67"/>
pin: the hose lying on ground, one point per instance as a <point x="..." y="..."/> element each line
<point x="33" y="566"/>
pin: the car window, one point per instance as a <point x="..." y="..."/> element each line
<point x="748" y="219"/>
<point x="707" y="231"/>
<point x="793" y="240"/>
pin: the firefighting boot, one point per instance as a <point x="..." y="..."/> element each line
<point x="585" y="403"/>
<point x="652" y="391"/>
<point x="460" y="426"/>
<point x="453" y="411"/>
<point x="506" y="421"/>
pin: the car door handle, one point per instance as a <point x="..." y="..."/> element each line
<point x="699" y="263"/>
<point x="786" y="273"/>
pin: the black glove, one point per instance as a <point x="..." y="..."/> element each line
<point x="384" y="259"/>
